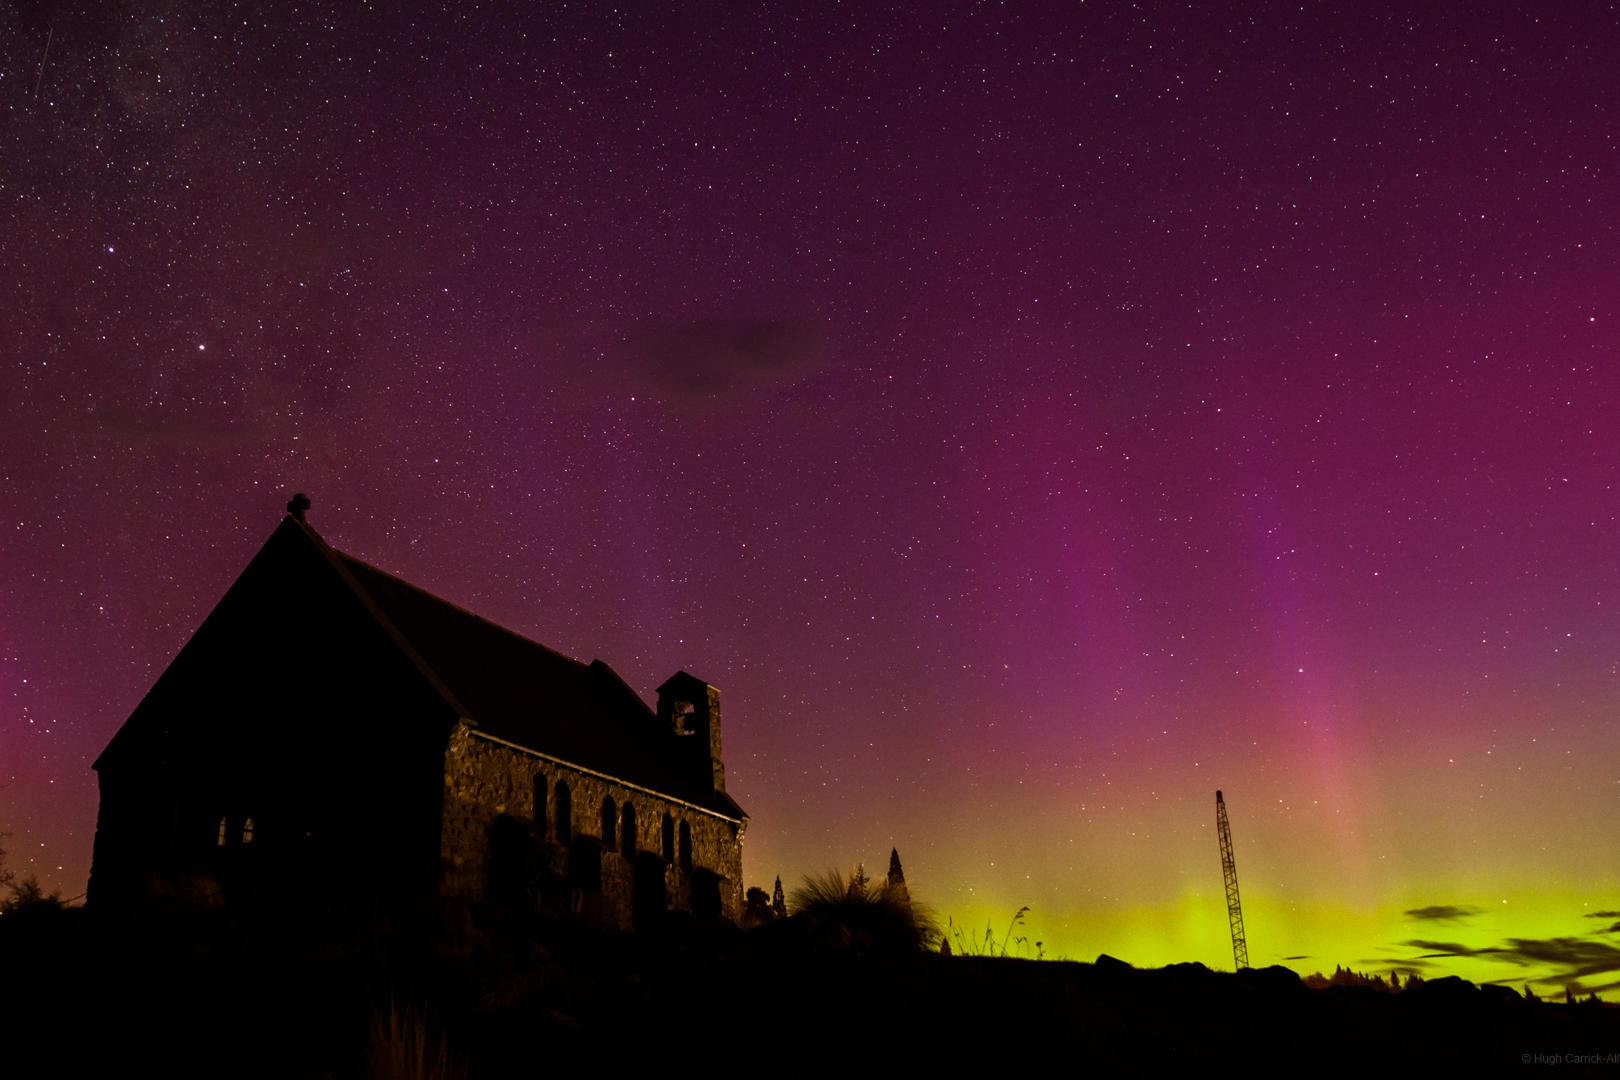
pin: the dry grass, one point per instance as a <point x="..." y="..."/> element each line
<point x="1010" y="943"/>
<point x="403" y="1045"/>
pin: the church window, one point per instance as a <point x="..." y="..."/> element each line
<point x="565" y="813"/>
<point x="627" y="833"/>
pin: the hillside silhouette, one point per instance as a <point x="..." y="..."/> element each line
<point x="488" y="995"/>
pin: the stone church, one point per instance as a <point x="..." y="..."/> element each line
<point x="334" y="734"/>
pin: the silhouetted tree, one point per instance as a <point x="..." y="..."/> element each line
<point x="27" y="896"/>
<point x="778" y="903"/>
<point x="896" y="886"/>
<point x="756" y="909"/>
<point x="1343" y="976"/>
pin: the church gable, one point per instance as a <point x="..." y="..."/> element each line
<point x="322" y="697"/>
<point x="270" y="742"/>
<point x="291" y="637"/>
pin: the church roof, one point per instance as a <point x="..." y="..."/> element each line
<point x="503" y="684"/>
<point x="524" y="693"/>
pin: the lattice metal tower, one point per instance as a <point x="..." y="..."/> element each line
<point x="1234" y="910"/>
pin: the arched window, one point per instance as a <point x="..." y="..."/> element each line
<point x="627" y="832"/>
<point x="669" y="839"/>
<point x="565" y="814"/>
<point x="224" y="833"/>
<point x="610" y="816"/>
<point x="247" y="831"/>
<point x="686" y="847"/>
<point x="540" y="802"/>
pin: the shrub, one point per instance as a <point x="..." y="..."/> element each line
<point x="863" y="916"/>
<point x="28" y="897"/>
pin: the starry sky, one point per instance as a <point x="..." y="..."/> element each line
<point x="1032" y="417"/>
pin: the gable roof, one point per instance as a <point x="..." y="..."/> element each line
<point x="519" y="691"/>
<point x="511" y="688"/>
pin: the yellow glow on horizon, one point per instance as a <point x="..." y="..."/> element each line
<point x="1309" y="935"/>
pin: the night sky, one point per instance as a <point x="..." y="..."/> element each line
<point x="1031" y="417"/>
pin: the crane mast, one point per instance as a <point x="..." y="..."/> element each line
<point x="1234" y="910"/>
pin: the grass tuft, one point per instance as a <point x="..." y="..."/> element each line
<point x="1010" y="943"/>
<point x="863" y="915"/>
<point x="403" y="1046"/>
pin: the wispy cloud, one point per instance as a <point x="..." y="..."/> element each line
<point x="1435" y="949"/>
<point x="722" y="359"/>
<point x="1574" y="957"/>
<point x="1441" y="912"/>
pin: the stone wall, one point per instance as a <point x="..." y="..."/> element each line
<point x="490" y="809"/>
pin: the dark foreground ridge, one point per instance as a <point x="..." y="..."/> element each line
<point x="214" y="994"/>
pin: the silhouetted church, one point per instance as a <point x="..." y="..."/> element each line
<point x="333" y="732"/>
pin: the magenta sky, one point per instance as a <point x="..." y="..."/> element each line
<point x="1032" y="418"/>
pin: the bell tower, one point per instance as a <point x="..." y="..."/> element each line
<point x="689" y="709"/>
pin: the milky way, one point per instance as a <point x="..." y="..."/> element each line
<point x="1031" y="417"/>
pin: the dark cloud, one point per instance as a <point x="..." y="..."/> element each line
<point x="721" y="359"/>
<point x="1578" y="955"/>
<point x="1574" y="957"/>
<point x="1307" y="956"/>
<point x="1612" y="929"/>
<point x="1441" y="912"/>
<point x="1412" y="963"/>
<point x="1437" y="949"/>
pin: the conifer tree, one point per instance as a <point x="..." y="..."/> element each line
<point x="778" y="903"/>
<point x="896" y="888"/>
